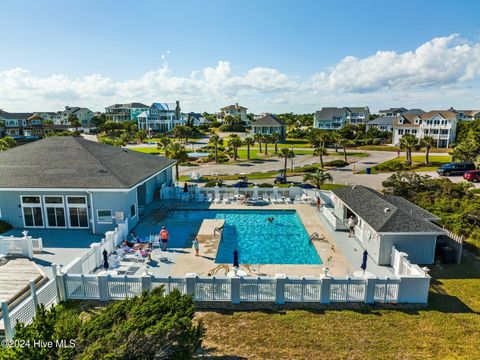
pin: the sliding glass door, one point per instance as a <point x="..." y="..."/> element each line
<point x="32" y="211"/>
<point x="77" y="212"/>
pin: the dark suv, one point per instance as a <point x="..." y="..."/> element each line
<point x="455" y="168"/>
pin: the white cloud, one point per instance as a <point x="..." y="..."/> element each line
<point x="442" y="72"/>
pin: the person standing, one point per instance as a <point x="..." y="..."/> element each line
<point x="319" y="203"/>
<point x="196" y="246"/>
<point x="164" y="238"/>
<point x="351" y="225"/>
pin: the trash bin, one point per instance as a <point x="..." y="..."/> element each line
<point x="368" y="171"/>
<point x="448" y="255"/>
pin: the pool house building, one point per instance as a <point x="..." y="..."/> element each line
<point x="72" y="183"/>
<point x="384" y="222"/>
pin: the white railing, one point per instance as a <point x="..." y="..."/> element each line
<point x="279" y="289"/>
<point x="93" y="258"/>
<point x="24" y="246"/>
<point x="26" y="311"/>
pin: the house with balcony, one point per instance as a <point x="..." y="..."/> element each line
<point x="14" y="123"/>
<point x="68" y="182"/>
<point x="161" y="117"/>
<point x="382" y="123"/>
<point x="269" y="124"/>
<point x="235" y="111"/>
<point x="34" y="127"/>
<point x="394" y="112"/>
<point x="439" y="124"/>
<point x="466" y="115"/>
<point x="125" y="112"/>
<point x="384" y="221"/>
<point x="334" y="118"/>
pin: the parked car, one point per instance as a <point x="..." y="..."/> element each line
<point x="472" y="175"/>
<point x="455" y="168"/>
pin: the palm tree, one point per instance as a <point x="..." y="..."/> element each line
<point x="286" y="154"/>
<point x="141" y="135"/>
<point x="276" y="137"/>
<point x="320" y="151"/>
<point x="249" y="142"/>
<point x="335" y="137"/>
<point x="266" y="139"/>
<point x="163" y="143"/>
<point x="216" y="140"/>
<point x="428" y="142"/>
<point x="74" y="122"/>
<point x="259" y="139"/>
<point x="235" y="143"/>
<point x="318" y="178"/>
<point x="343" y="142"/>
<point x="177" y="152"/>
<point x="407" y="143"/>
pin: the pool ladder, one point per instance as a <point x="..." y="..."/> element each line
<point x="314" y="236"/>
<point x="218" y="230"/>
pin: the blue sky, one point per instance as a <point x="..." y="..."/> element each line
<point x="268" y="55"/>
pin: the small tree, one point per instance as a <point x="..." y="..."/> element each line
<point x="286" y="154"/>
<point x="407" y="143"/>
<point x="177" y="152"/>
<point x="318" y="178"/>
<point x="141" y="135"/>
<point x="343" y="142"/>
<point x="7" y="143"/>
<point x="74" y="122"/>
<point x="259" y="139"/>
<point x="276" y="139"/>
<point x="163" y="143"/>
<point x="266" y="139"/>
<point x="235" y="143"/>
<point x="320" y="151"/>
<point x="216" y="140"/>
<point x="428" y="142"/>
<point x="249" y="142"/>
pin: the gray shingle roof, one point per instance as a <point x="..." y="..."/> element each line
<point x="382" y="120"/>
<point x="401" y="216"/>
<point x="414" y="112"/>
<point x="15" y="116"/>
<point x="358" y="109"/>
<point x="268" y="120"/>
<point x="73" y="162"/>
<point x="127" y="106"/>
<point x="327" y="113"/>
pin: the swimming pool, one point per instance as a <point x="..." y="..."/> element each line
<point x="282" y="241"/>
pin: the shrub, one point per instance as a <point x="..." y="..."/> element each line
<point x="368" y="141"/>
<point x="233" y="128"/>
<point x="265" y="185"/>
<point x="222" y="157"/>
<point x="376" y="141"/>
<point x="309" y="168"/>
<point x="150" y="326"/>
<point x="4" y="226"/>
<point x="337" y="163"/>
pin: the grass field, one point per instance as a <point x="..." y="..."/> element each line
<point x="396" y="148"/>
<point x="447" y="328"/>
<point x="418" y="164"/>
<point x="147" y="150"/>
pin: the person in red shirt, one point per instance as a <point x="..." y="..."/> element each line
<point x="164" y="238"/>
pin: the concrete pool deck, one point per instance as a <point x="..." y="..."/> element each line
<point x="342" y="255"/>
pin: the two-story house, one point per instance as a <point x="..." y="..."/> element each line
<point x="161" y="117"/>
<point x="14" y="122"/>
<point x="334" y="118"/>
<point x="235" y="111"/>
<point x="34" y="127"/>
<point x="439" y="124"/>
<point x="394" y="112"/>
<point x="466" y="114"/>
<point x="125" y="112"/>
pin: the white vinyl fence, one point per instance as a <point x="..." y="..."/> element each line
<point x="93" y="258"/>
<point x="236" y="290"/>
<point x="24" y="246"/>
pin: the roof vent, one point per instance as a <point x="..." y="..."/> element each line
<point x="354" y="186"/>
<point x="386" y="210"/>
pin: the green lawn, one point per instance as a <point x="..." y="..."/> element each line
<point x="418" y="164"/>
<point x="146" y="150"/>
<point x="447" y="328"/>
<point x="396" y="148"/>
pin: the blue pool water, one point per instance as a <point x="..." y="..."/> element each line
<point x="283" y="241"/>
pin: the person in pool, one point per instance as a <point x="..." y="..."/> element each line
<point x="270" y="219"/>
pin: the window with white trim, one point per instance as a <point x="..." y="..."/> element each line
<point x="133" y="211"/>
<point x="104" y="216"/>
<point x="55" y="211"/>
<point x="77" y="211"/>
<point x="32" y="211"/>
